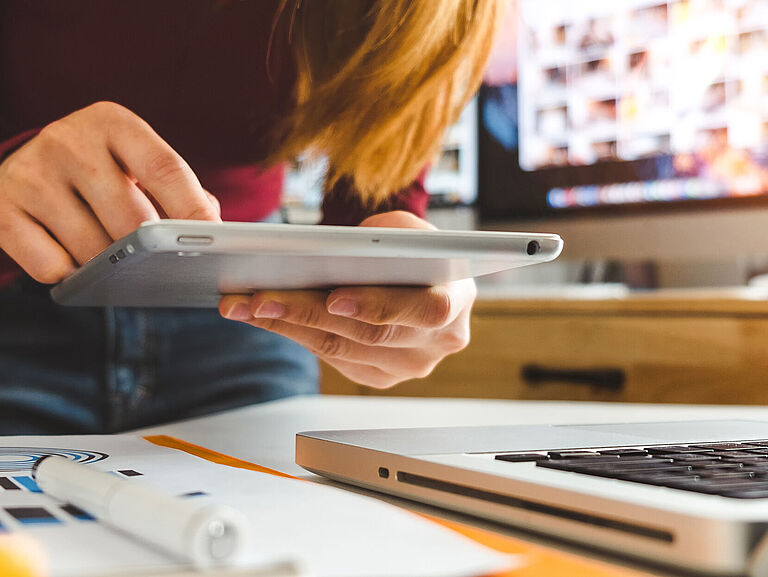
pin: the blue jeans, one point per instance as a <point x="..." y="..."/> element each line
<point x="100" y="370"/>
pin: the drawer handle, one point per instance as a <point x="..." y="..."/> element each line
<point x="610" y="378"/>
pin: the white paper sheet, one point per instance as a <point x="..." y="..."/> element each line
<point x="331" y="532"/>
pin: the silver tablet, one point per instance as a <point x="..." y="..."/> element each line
<point x="184" y="263"/>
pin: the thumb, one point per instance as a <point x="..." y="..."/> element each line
<point x="397" y="219"/>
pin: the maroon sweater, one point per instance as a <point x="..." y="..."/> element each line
<point x="196" y="70"/>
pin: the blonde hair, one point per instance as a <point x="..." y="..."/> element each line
<point x="379" y="81"/>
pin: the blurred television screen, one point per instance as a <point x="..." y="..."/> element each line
<point x="602" y="103"/>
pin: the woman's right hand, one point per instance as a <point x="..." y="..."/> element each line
<point x="86" y="180"/>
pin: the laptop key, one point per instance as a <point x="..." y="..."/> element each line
<point x="722" y="446"/>
<point x="715" y="465"/>
<point x="663" y="450"/>
<point x="707" y="463"/>
<point x="624" y="452"/>
<point x="747" y="462"/>
<point x="521" y="457"/>
<point x="571" y="454"/>
<point x="734" y="454"/>
<point x="756" y="463"/>
<point x="746" y="494"/>
<point x="609" y="470"/>
<point x="607" y="462"/>
<point x="722" y="485"/>
<point x="701" y="484"/>
<point x="632" y="474"/>
<point x="715" y="474"/>
<point x="653" y="466"/>
<point x="684" y="482"/>
<point x="661" y="479"/>
<point x="690" y="457"/>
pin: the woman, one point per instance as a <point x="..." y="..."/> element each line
<point x="235" y="89"/>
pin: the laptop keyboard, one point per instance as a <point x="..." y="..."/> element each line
<point x="729" y="469"/>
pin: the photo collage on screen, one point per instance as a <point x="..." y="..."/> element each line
<point x="627" y="80"/>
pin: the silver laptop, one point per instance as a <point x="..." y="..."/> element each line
<point x="693" y="495"/>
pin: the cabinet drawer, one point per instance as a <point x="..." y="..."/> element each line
<point x="600" y="354"/>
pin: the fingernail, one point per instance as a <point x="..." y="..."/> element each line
<point x="270" y="310"/>
<point x="239" y="312"/>
<point x="343" y="308"/>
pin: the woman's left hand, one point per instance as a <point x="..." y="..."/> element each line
<point x="376" y="336"/>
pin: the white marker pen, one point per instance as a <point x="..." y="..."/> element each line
<point x="202" y="533"/>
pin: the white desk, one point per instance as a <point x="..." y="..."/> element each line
<point x="265" y="434"/>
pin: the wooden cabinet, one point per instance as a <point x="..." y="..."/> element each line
<point x="673" y="347"/>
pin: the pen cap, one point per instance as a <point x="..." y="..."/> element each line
<point x="201" y="532"/>
<point x="217" y="535"/>
<point x="193" y="530"/>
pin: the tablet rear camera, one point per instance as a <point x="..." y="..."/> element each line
<point x="533" y="247"/>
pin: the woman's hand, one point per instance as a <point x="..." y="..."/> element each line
<point x="376" y="336"/>
<point x="86" y="180"/>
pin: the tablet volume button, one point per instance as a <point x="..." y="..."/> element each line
<point x="194" y="240"/>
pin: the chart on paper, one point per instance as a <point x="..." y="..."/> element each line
<point x="63" y="528"/>
<point x="15" y="475"/>
<point x="327" y="530"/>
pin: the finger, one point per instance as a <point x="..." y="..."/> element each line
<point x="70" y="221"/>
<point x="365" y="374"/>
<point x="213" y="200"/>
<point x="308" y="308"/>
<point x="235" y="307"/>
<point x="159" y="169"/>
<point x="400" y="362"/>
<point x="32" y="247"/>
<point x="433" y="307"/>
<point x="115" y="199"/>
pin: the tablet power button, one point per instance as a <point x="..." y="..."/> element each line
<point x="194" y="240"/>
